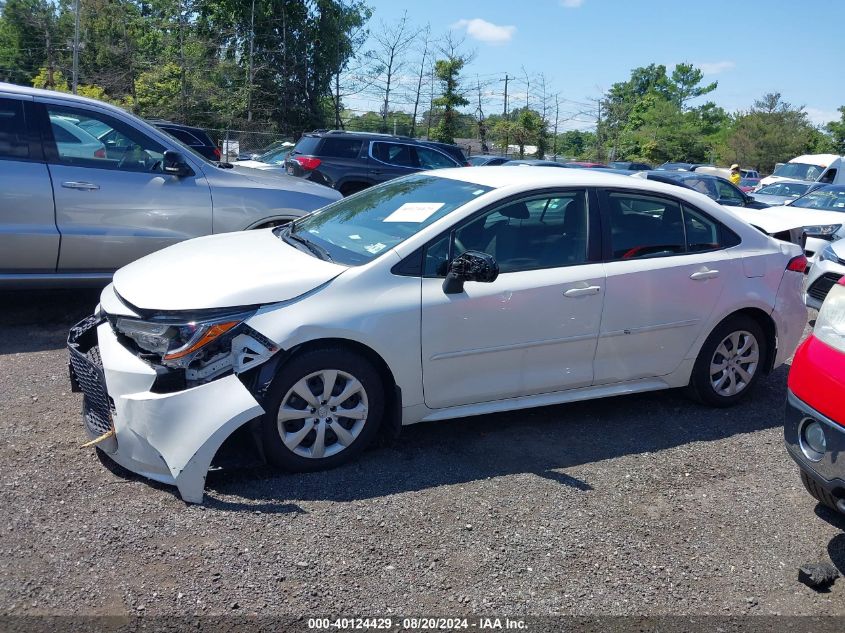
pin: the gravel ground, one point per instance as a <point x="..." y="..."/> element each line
<point x="645" y="504"/>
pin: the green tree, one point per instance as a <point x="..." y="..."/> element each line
<point x="836" y="129"/>
<point x="771" y="131"/>
<point x="448" y="73"/>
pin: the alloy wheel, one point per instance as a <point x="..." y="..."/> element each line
<point x="734" y="363"/>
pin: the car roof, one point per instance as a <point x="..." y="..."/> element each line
<point x="538" y="176"/>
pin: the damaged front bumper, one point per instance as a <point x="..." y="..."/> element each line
<point x="168" y="437"/>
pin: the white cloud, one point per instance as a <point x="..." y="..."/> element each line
<point x="714" y="68"/>
<point x="820" y="117"/>
<point x="485" y="31"/>
<point x="571" y="4"/>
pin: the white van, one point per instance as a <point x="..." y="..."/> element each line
<point x="825" y="168"/>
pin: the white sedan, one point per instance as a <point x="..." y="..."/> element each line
<point x="434" y="296"/>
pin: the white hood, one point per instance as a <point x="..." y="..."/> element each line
<point x="219" y="271"/>
<point x="784" y="218"/>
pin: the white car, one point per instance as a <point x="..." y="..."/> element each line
<point x="433" y="296"/>
<point x="828" y="268"/>
<point x="822" y="212"/>
<point x="74" y="142"/>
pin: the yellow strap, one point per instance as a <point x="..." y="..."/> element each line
<point x="97" y="440"/>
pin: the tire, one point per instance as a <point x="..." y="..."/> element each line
<point x="355" y="380"/>
<point x="349" y="188"/>
<point x="818" y="493"/>
<point x="714" y="389"/>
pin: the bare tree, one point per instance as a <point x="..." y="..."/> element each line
<point x="425" y="43"/>
<point x="388" y="59"/>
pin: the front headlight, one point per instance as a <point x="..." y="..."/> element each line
<point x="824" y="231"/>
<point x="177" y="342"/>
<point x="830" y="324"/>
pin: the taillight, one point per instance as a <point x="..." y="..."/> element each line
<point x="830" y="324"/>
<point x="797" y="264"/>
<point x="217" y="153"/>
<point x="308" y="162"/>
<point x="100" y="153"/>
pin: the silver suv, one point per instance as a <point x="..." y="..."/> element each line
<point x="86" y="188"/>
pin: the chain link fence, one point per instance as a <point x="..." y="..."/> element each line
<point x="243" y="144"/>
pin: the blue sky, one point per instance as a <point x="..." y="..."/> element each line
<point x="750" y="47"/>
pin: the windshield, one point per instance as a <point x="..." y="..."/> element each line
<point x="799" y="171"/>
<point x="791" y="189"/>
<point x="826" y="199"/>
<point x="478" y="160"/>
<point x="358" y="229"/>
<point x="276" y="156"/>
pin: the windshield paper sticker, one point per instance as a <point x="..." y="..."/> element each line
<point x="375" y="248"/>
<point x="414" y="212"/>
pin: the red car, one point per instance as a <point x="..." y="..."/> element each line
<point x="815" y="409"/>
<point x="583" y="164"/>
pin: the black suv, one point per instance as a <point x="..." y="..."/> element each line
<point x="195" y="138"/>
<point x="352" y="161"/>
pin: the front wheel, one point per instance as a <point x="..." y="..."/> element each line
<point x="729" y="363"/>
<point x="323" y="408"/>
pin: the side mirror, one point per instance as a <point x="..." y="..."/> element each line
<point x="470" y="266"/>
<point x="175" y="164"/>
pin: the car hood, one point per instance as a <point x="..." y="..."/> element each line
<point x="220" y="271"/>
<point x="257" y="164"/>
<point x="777" y="219"/>
<point x="273" y="179"/>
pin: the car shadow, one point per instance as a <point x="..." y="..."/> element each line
<point x="39" y="320"/>
<point x="543" y="441"/>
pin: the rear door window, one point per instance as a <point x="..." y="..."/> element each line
<point x="13" y="134"/>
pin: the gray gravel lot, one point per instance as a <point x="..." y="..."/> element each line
<point x="646" y="504"/>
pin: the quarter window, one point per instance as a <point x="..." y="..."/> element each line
<point x="13" y="135"/>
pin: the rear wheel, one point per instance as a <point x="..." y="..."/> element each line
<point x="729" y="363"/>
<point x="323" y="408"/>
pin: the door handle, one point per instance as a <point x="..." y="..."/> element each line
<point x="82" y="186"/>
<point x="704" y="274"/>
<point x="582" y="292"/>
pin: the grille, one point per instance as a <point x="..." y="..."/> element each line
<point x="87" y="372"/>
<point x="822" y="285"/>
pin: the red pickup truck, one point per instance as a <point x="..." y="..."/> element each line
<point x="815" y="409"/>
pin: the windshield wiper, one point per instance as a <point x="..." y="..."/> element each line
<point x="318" y="250"/>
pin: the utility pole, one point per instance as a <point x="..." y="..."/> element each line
<point x="598" y="130"/>
<point x="75" y="47"/>
<point x="506" y="114"/>
<point x="557" y="118"/>
<point x="249" y="72"/>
